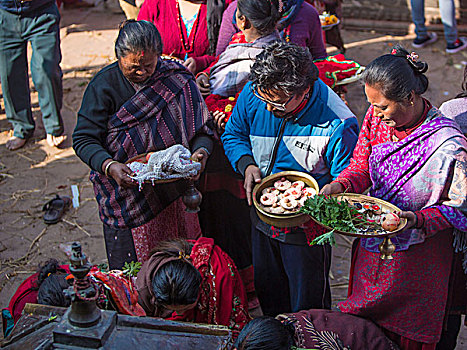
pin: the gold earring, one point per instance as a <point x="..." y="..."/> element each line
<point x="411" y="102"/>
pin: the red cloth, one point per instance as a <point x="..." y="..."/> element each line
<point x="223" y="104"/>
<point x="222" y="299"/>
<point x="356" y="177"/>
<point x="122" y="290"/>
<point x="335" y="68"/>
<point x="164" y="14"/>
<point x="395" y="293"/>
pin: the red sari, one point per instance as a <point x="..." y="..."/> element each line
<point x="222" y="299"/>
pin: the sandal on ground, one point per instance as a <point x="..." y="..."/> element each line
<point x="55" y="208"/>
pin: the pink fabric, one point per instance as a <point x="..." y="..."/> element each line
<point x="163" y="13"/>
<point x="171" y="223"/>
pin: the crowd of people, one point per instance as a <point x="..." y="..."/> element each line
<point x="225" y="265"/>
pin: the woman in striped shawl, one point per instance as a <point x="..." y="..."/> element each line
<point x="136" y="105"/>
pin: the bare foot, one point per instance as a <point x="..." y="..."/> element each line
<point x="55" y="141"/>
<point x="15" y="143"/>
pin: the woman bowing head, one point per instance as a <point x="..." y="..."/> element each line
<point x="193" y="281"/>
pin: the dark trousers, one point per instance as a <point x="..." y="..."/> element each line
<point x="42" y="30"/>
<point x="119" y="246"/>
<point x="288" y="277"/>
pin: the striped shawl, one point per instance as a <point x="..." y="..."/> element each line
<point x="168" y="110"/>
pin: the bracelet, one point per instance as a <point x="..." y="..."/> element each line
<point x="201" y="73"/>
<point x="205" y="149"/>
<point x="106" y="170"/>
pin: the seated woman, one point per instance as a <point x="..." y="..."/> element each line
<point x="412" y="156"/>
<point x="137" y="105"/>
<point x="312" y="329"/>
<point x="193" y="281"/>
<point x="189" y="28"/>
<point x="257" y="21"/>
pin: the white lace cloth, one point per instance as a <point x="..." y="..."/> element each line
<point x="171" y="163"/>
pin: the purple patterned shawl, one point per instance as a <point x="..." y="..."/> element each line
<point x="333" y="330"/>
<point x="168" y="110"/>
<point x="426" y="169"/>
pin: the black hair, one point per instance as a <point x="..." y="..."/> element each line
<point x="135" y="36"/>
<point x="262" y="14"/>
<point x="284" y="67"/>
<point x="464" y="85"/>
<point x="51" y="284"/>
<point x="51" y="291"/>
<point x="397" y="75"/>
<point x="214" y="12"/>
<point x="177" y="282"/>
<point x="265" y="333"/>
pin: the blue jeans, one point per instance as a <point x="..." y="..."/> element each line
<point x="42" y="30"/>
<point x="448" y="17"/>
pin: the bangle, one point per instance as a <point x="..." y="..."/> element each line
<point x="106" y="170"/>
<point x="205" y="149"/>
<point x="202" y="73"/>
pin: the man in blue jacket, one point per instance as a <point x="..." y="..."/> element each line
<point x="287" y="119"/>
<point x="36" y="21"/>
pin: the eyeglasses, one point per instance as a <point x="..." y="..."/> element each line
<point x="281" y="107"/>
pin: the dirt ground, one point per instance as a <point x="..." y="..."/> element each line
<point x="31" y="176"/>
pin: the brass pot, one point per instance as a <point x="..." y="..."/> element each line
<point x="282" y="220"/>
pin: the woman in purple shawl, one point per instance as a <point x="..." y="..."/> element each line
<point x="410" y="155"/>
<point x="137" y="105"/>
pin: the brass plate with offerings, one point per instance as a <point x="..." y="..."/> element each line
<point x="278" y="198"/>
<point x="365" y="217"/>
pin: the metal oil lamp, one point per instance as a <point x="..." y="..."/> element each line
<point x="84" y="312"/>
<point x="386" y="247"/>
<point x="192" y="198"/>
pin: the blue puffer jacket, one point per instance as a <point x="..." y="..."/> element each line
<point x="319" y="140"/>
<point x="24" y="7"/>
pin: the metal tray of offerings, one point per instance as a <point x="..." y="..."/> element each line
<point x="372" y="208"/>
<point x="289" y="218"/>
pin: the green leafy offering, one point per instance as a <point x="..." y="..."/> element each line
<point x="338" y="215"/>
<point x="131" y="269"/>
